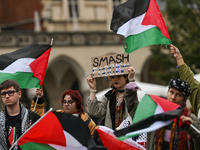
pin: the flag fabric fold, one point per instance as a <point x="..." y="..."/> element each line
<point x="26" y="65"/>
<point x="58" y="131"/>
<point x="152" y="113"/>
<point x="141" y="23"/>
<point x="110" y="141"/>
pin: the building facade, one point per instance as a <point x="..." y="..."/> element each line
<point x="80" y="29"/>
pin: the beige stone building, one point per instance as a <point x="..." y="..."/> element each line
<point x="80" y="30"/>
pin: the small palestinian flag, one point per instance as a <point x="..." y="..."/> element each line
<point x="26" y="65"/>
<point x="152" y="113"/>
<point x="141" y="23"/>
<point x="12" y="136"/>
<point x="58" y="131"/>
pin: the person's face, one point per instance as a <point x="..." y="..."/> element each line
<point x="175" y="96"/>
<point x="10" y="96"/>
<point x="119" y="82"/>
<point x="69" y="105"/>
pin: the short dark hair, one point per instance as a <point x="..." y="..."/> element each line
<point x="9" y="83"/>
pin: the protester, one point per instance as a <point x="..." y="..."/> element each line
<point x="187" y="75"/>
<point x="15" y="119"/>
<point x="113" y="105"/>
<point x="170" y="137"/>
<point x="72" y="104"/>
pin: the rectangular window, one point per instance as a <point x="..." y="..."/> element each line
<point x="73" y="8"/>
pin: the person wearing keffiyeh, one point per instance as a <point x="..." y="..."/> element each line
<point x="15" y="119"/>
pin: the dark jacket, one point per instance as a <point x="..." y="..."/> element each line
<point x="105" y="107"/>
<point x="25" y="120"/>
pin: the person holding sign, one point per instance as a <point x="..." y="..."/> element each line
<point x="113" y="105"/>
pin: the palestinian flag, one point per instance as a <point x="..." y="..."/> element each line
<point x="152" y="113"/>
<point x="12" y="136"/>
<point x="110" y="141"/>
<point x="26" y="65"/>
<point x="141" y="23"/>
<point x="57" y="131"/>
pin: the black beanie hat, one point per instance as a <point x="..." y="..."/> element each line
<point x="180" y="85"/>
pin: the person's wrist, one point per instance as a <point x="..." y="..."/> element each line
<point x="93" y="91"/>
<point x="131" y="80"/>
<point x="179" y="57"/>
<point x="40" y="100"/>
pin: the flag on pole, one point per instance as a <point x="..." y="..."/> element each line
<point x="26" y="65"/>
<point x="141" y="23"/>
<point x="110" y="141"/>
<point x="58" y="131"/>
<point x="152" y="113"/>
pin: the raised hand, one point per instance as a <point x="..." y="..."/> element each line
<point x="91" y="82"/>
<point x="175" y="52"/>
<point x="39" y="92"/>
<point x="131" y="73"/>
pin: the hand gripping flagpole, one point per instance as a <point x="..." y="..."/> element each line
<point x="16" y="142"/>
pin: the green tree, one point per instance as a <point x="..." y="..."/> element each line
<point x="184" y="30"/>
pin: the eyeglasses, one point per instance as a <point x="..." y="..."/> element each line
<point x="68" y="102"/>
<point x="10" y="93"/>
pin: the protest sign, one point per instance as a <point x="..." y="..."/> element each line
<point x="109" y="65"/>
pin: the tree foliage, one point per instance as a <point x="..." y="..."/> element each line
<point x="184" y="30"/>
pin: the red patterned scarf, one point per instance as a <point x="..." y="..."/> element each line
<point x="178" y="141"/>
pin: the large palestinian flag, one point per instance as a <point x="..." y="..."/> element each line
<point x="110" y="141"/>
<point x="58" y="131"/>
<point x="26" y="65"/>
<point x="152" y="113"/>
<point x="141" y="23"/>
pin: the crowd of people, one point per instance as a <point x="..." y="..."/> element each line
<point x="114" y="107"/>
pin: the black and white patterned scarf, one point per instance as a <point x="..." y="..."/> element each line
<point x="24" y="125"/>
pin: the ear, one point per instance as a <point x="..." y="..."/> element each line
<point x="20" y="94"/>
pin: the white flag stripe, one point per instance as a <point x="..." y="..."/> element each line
<point x="20" y="65"/>
<point x="158" y="110"/>
<point x="134" y="26"/>
<point x="156" y="125"/>
<point x="72" y="144"/>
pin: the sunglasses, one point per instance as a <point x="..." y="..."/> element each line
<point x="118" y="76"/>
<point x="10" y="93"/>
<point x="68" y="102"/>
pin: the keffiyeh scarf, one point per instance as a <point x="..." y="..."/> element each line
<point x="3" y="134"/>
